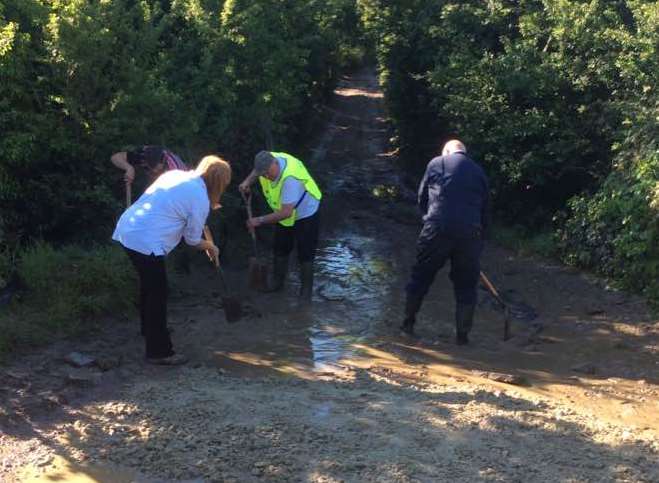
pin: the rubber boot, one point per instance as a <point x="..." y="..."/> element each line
<point x="412" y="306"/>
<point x="279" y="272"/>
<point x="306" y="279"/>
<point x="464" y="318"/>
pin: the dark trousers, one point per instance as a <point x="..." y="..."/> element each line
<point x="434" y="248"/>
<point x="304" y="234"/>
<point x="153" y="302"/>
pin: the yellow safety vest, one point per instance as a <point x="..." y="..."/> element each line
<point x="272" y="190"/>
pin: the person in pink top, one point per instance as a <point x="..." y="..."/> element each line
<point x="154" y="160"/>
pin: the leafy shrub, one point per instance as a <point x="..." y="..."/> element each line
<point x="72" y="285"/>
<point x="557" y="99"/>
<point x="525" y="241"/>
<point x="534" y="88"/>
<point x="616" y="231"/>
<point x="66" y="291"/>
<point x="80" y="80"/>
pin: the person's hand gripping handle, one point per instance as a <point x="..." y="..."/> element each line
<point x="213" y="255"/>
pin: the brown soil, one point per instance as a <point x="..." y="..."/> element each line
<point x="331" y="392"/>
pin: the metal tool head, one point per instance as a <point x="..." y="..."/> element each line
<point x="258" y="274"/>
<point x="233" y="310"/>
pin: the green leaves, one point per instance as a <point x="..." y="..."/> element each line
<point x="80" y="80"/>
<point x="556" y="98"/>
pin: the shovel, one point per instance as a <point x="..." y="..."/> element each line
<point x="233" y="310"/>
<point x="128" y="195"/>
<point x="504" y="305"/>
<point x="258" y="272"/>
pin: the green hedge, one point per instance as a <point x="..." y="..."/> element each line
<point x="68" y="290"/>
<point x="615" y="231"/>
<point x="80" y="80"/>
<point x="533" y="87"/>
<point x="557" y="99"/>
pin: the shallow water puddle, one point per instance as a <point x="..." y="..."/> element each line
<point x="350" y="269"/>
<point x="62" y="470"/>
<point x="328" y="348"/>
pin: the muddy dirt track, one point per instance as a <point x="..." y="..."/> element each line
<point x="331" y="392"/>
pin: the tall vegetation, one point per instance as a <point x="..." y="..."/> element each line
<point x="81" y="79"/>
<point x="557" y="98"/>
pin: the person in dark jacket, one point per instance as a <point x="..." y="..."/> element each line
<point x="453" y="197"/>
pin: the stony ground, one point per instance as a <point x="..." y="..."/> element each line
<point x="332" y="393"/>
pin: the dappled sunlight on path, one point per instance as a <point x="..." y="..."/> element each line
<point x="331" y="392"/>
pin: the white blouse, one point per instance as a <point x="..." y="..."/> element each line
<point x="175" y="206"/>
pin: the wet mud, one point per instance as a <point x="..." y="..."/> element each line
<point x="331" y="391"/>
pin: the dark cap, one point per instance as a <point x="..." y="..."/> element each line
<point x="262" y="162"/>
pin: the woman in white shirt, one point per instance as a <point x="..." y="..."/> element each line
<point x="175" y="206"/>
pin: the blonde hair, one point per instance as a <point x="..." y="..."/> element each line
<point x="216" y="173"/>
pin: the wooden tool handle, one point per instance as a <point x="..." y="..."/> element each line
<point x="128" y="195"/>
<point x="493" y="291"/>
<point x="248" y="206"/>
<point x="490" y="287"/>
<point x="209" y="237"/>
<point x="248" y="201"/>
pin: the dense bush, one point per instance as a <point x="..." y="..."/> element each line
<point x="79" y="80"/>
<point x="616" y="230"/>
<point x="533" y="87"/>
<point x="66" y="290"/>
<point x="557" y="99"/>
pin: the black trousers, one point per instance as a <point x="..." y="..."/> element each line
<point x="153" y="302"/>
<point x="304" y="234"/>
<point x="434" y="248"/>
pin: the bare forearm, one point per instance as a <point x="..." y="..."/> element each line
<point x="120" y="160"/>
<point x="275" y="217"/>
<point x="250" y="179"/>
<point x="204" y="245"/>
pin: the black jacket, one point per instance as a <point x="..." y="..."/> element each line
<point x="454" y="196"/>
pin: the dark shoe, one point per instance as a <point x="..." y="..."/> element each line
<point x="173" y="360"/>
<point x="412" y="306"/>
<point x="279" y="271"/>
<point x="306" y="279"/>
<point x="464" y="319"/>
<point x="407" y="330"/>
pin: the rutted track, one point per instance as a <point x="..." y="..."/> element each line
<point x="331" y="393"/>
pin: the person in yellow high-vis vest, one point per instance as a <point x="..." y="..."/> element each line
<point x="294" y="197"/>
